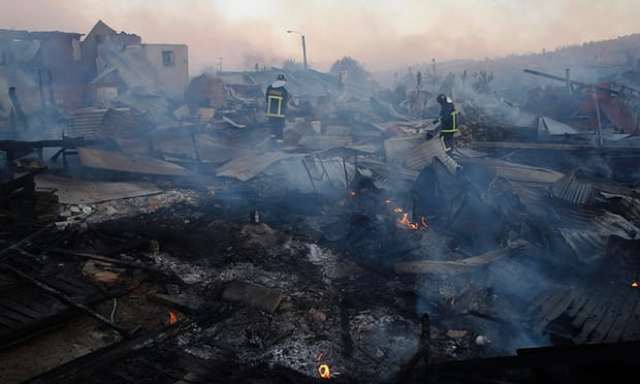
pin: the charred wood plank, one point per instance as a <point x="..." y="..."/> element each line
<point x="24" y="241"/>
<point x="110" y="260"/>
<point x="90" y="365"/>
<point x="66" y="299"/>
<point x="459" y="266"/>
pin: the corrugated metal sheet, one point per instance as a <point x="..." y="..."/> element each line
<point x="416" y="153"/>
<point x="588" y="237"/>
<point x="572" y="190"/>
<point x="629" y="205"/>
<point x="86" y="122"/>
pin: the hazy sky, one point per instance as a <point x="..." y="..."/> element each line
<point x="381" y="33"/>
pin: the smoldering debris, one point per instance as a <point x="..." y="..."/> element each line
<point x="361" y="247"/>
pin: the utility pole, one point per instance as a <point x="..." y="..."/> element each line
<point x="304" y="48"/>
<point x="304" y="53"/>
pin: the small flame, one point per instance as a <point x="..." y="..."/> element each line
<point x="421" y="224"/>
<point x="353" y="193"/>
<point x="173" y="318"/>
<point x="397" y="210"/>
<point x="635" y="284"/>
<point x="324" y="371"/>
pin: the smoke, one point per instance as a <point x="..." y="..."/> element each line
<point x="378" y="33"/>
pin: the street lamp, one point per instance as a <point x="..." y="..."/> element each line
<point x="304" y="47"/>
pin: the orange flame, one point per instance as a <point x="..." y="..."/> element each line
<point x="173" y="318"/>
<point x="411" y="225"/>
<point x="324" y="371"/>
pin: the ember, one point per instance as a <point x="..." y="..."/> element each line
<point x="324" y="371"/>
<point x="173" y="318"/>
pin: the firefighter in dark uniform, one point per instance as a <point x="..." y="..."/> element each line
<point x="448" y="121"/>
<point x="277" y="99"/>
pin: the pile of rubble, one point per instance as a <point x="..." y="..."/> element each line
<point x="179" y="242"/>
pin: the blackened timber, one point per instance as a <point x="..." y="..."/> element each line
<point x="66" y="299"/>
<point x="24" y="241"/>
<point x="92" y="364"/>
<point x="423" y="352"/>
<point x="110" y="260"/>
<point x="89" y="364"/>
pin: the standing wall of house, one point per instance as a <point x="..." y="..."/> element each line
<point x="171" y="64"/>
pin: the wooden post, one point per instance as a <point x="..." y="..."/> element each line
<point x="597" y="105"/>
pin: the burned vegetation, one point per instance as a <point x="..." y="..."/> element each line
<point x="157" y="228"/>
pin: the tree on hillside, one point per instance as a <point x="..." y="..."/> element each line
<point x="351" y="69"/>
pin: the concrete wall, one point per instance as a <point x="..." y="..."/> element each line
<point x="173" y="75"/>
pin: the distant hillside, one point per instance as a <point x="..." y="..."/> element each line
<point x="589" y="61"/>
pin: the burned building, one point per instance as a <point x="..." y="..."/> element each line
<point x="170" y="239"/>
<point x="44" y="67"/>
<point x="121" y="61"/>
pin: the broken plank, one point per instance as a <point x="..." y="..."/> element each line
<point x="66" y="299"/>
<point x="458" y="266"/>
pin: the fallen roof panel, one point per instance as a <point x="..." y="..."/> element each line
<point x="122" y="162"/>
<point x="252" y="164"/>
<point x="72" y="191"/>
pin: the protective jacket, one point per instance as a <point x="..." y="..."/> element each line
<point x="448" y="118"/>
<point x="277" y="99"/>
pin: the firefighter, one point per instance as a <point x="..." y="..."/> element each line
<point x="448" y="121"/>
<point x="277" y="99"/>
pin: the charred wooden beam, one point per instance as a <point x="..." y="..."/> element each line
<point x="66" y="299"/>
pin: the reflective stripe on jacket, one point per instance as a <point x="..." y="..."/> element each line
<point x="277" y="99"/>
<point x="454" y="124"/>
